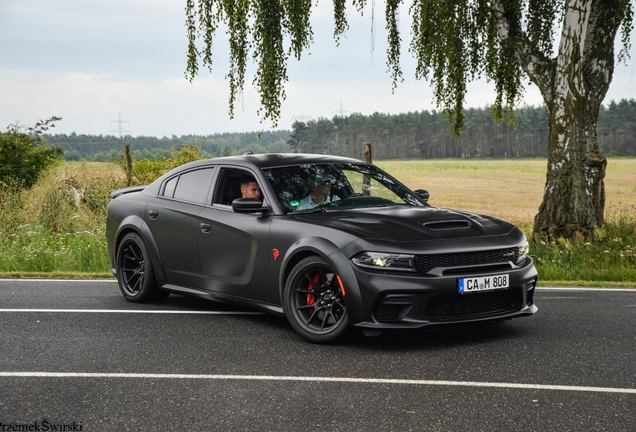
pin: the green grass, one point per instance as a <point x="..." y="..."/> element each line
<point x="36" y="249"/>
<point x="585" y="284"/>
<point x="55" y="275"/>
<point x="58" y="226"/>
<point x="610" y="256"/>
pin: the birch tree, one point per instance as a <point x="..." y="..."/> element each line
<point x="564" y="47"/>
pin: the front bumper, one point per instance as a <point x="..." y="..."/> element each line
<point x="392" y="300"/>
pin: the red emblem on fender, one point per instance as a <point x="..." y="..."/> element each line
<point x="275" y="253"/>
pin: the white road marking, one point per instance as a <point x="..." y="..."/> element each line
<point x="131" y="311"/>
<point x="317" y="379"/>
<point x="585" y="289"/>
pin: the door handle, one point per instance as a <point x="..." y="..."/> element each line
<point x="205" y="228"/>
<point x="153" y="214"/>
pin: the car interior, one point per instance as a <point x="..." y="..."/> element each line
<point x="229" y="187"/>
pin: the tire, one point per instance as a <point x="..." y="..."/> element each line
<point x="135" y="273"/>
<point x="314" y="301"/>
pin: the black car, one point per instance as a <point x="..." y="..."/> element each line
<point x="329" y="242"/>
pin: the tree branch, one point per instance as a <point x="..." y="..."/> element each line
<point x="539" y="68"/>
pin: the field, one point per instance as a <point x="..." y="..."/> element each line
<point x="56" y="229"/>
<point x="509" y="189"/>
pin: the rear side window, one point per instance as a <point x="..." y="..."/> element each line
<point x="192" y="186"/>
<point x="170" y="185"/>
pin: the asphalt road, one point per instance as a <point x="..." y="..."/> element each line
<point x="74" y="355"/>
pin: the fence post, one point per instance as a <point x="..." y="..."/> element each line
<point x="128" y="165"/>
<point x="367" y="152"/>
<point x="366" y="180"/>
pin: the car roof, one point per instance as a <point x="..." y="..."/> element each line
<point x="255" y="161"/>
<point x="272" y="160"/>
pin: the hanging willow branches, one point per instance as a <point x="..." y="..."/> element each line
<point x="453" y="41"/>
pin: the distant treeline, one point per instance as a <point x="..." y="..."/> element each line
<point x="418" y="135"/>
<point x="101" y="148"/>
<point x="425" y="135"/>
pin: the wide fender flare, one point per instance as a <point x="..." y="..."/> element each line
<point x="334" y="255"/>
<point x="137" y="224"/>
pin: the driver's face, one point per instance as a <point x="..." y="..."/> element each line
<point x="320" y="192"/>
<point x="251" y="190"/>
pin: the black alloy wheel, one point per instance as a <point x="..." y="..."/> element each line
<point x="314" y="301"/>
<point x="135" y="272"/>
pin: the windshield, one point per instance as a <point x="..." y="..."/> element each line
<point x="343" y="186"/>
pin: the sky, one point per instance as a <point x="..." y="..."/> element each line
<point x="95" y="62"/>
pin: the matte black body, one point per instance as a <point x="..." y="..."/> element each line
<point x="209" y="250"/>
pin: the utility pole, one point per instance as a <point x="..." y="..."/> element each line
<point x="341" y="112"/>
<point x="119" y="129"/>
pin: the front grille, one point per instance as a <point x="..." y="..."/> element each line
<point x="426" y="263"/>
<point x="458" y="306"/>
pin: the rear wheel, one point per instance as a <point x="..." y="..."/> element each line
<point x="135" y="273"/>
<point x="314" y="301"/>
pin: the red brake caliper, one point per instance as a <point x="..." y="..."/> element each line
<point x="310" y="297"/>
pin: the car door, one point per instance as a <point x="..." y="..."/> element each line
<point x="173" y="220"/>
<point x="233" y="247"/>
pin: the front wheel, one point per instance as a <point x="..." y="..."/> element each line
<point x="314" y="301"/>
<point x="135" y="273"/>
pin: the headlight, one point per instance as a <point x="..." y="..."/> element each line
<point x="385" y="261"/>
<point x="522" y="251"/>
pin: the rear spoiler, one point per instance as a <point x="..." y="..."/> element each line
<point x="119" y="192"/>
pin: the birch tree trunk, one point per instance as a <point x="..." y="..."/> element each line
<point x="573" y="86"/>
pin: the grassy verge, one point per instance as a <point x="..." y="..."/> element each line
<point x="610" y="256"/>
<point x="57" y="226"/>
<point x="55" y="275"/>
<point x="586" y="284"/>
<point x="56" y="229"/>
<point x="36" y="249"/>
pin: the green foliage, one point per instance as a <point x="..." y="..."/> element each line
<point x="146" y="171"/>
<point x="23" y="154"/>
<point x="424" y="135"/>
<point x="279" y="146"/>
<point x="34" y="248"/>
<point x="256" y="149"/>
<point x="58" y="224"/>
<point x="609" y="255"/>
<point x="408" y="135"/>
<point x="259" y="25"/>
<point x="106" y="148"/>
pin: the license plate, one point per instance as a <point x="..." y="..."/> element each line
<point x="482" y="283"/>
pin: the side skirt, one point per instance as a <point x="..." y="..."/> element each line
<point x="224" y="298"/>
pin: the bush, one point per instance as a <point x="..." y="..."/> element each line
<point x="23" y="154"/>
<point x="146" y="171"/>
<point x="58" y="224"/>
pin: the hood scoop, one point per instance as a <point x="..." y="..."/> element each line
<point x="447" y="225"/>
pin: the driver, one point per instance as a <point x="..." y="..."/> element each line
<point x="320" y="194"/>
<point x="249" y="187"/>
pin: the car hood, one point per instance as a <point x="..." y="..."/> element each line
<point x="409" y="224"/>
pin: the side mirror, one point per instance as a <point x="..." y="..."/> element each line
<point x="423" y="193"/>
<point x="248" y="205"/>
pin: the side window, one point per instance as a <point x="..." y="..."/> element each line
<point x="193" y="186"/>
<point x="229" y="186"/>
<point x="168" y="191"/>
